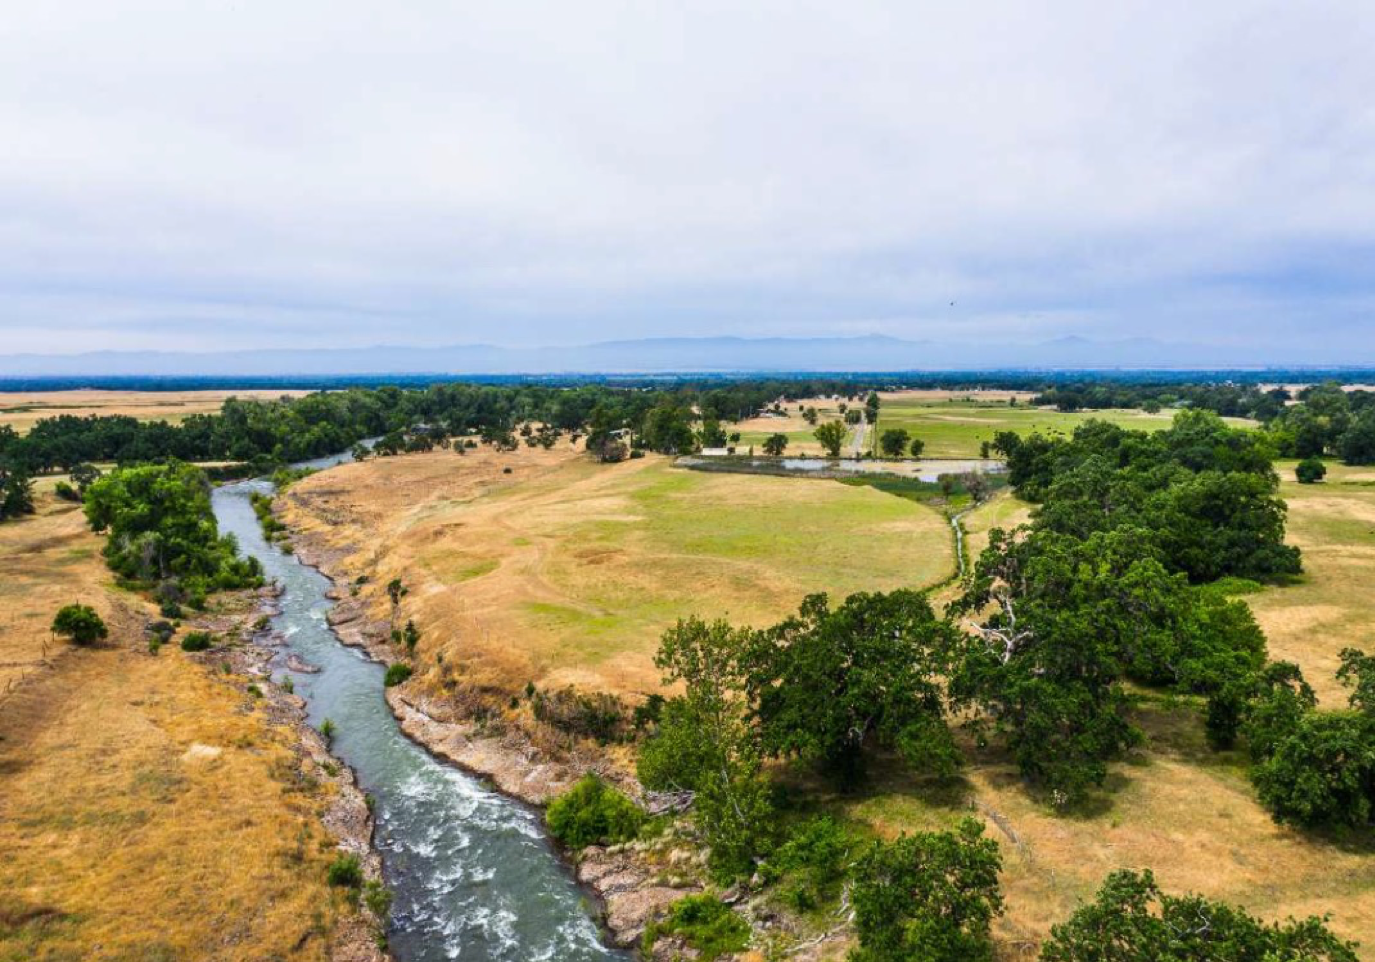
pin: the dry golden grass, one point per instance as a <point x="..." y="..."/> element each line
<point x="21" y="409"/>
<point x="49" y="560"/>
<point x="1181" y="811"/>
<point x="567" y="571"/>
<point x="148" y="810"/>
<point x="1332" y="606"/>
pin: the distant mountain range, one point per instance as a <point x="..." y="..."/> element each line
<point x="667" y="355"/>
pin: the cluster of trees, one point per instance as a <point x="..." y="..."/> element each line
<point x="1060" y="622"/>
<point x="163" y="536"/>
<point x="1205" y="493"/>
<point x="1225" y="398"/>
<point x="1119" y="578"/>
<point x="832" y="685"/>
<point x="895" y="442"/>
<point x="1327" y="421"/>
<point x="828" y="686"/>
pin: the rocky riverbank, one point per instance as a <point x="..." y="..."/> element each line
<point x="347" y="815"/>
<point x="633" y="884"/>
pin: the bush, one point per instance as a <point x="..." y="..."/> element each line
<point x="595" y="715"/>
<point x="66" y="492"/>
<point x="593" y="813"/>
<point x="1310" y="471"/>
<point x="707" y="925"/>
<point x="80" y="623"/>
<point x="346" y="872"/>
<point x="811" y="864"/>
<point x="396" y="674"/>
<point x="930" y="896"/>
<point x="197" y="641"/>
<point x="649" y="713"/>
<point x="377" y="897"/>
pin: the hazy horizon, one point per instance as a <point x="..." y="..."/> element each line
<point x="534" y="176"/>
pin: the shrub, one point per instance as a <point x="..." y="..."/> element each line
<point x="707" y="925"/>
<point x="810" y="864"/>
<point x="346" y="872"/>
<point x="595" y="715"/>
<point x="649" y="713"/>
<point x="196" y="641"/>
<point x="80" y="623"/>
<point x="327" y="730"/>
<point x="66" y="492"/>
<point x="1310" y="471"/>
<point x="593" y="813"/>
<point x="930" y="896"/>
<point x="377" y="897"/>
<point x="396" y="674"/>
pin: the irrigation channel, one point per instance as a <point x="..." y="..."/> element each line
<point x="473" y="874"/>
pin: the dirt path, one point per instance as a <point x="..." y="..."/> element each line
<point x="857" y="445"/>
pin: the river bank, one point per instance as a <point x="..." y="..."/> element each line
<point x="347" y="815"/>
<point x="631" y="887"/>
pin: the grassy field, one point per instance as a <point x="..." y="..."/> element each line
<point x="147" y="809"/>
<point x="953" y="424"/>
<point x="567" y="571"/>
<point x="21" y="409"/>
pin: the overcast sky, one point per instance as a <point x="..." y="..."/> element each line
<point x="242" y="173"/>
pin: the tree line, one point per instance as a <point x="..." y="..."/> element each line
<point x="1319" y="420"/>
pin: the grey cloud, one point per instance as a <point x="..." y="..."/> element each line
<point x="558" y="173"/>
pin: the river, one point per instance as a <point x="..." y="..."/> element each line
<point x="473" y="874"/>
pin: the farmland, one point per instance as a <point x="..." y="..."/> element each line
<point x="953" y="424"/>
